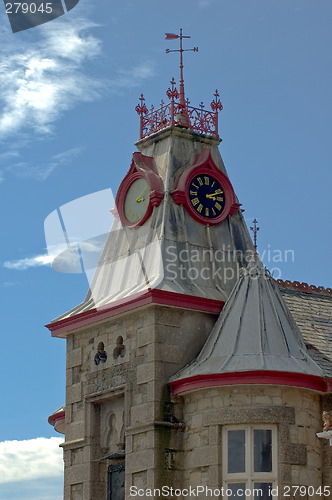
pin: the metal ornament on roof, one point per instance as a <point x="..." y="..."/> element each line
<point x="255" y="230"/>
<point x="178" y="111"/>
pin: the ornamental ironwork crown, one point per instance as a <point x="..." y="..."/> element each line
<point x="178" y="112"/>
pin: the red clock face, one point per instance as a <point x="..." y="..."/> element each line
<point x="206" y="196"/>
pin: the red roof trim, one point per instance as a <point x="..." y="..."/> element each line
<point x="154" y="296"/>
<point x="56" y="417"/>
<point x="256" y="377"/>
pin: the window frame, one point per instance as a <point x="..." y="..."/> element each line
<point x="249" y="477"/>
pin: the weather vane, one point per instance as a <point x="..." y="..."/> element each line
<point x="172" y="36"/>
<point x="255" y="229"/>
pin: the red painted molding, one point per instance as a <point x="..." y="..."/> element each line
<point x="204" y="164"/>
<point x="153" y="296"/>
<point x="141" y="167"/>
<point x="57" y="418"/>
<point x="255" y="377"/>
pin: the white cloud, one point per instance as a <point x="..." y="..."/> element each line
<point x="39" y="82"/>
<point x="30" y="459"/>
<point x="42" y="80"/>
<point x="64" y="258"/>
<point x="27" y="262"/>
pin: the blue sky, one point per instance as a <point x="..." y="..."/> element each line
<point x="68" y="91"/>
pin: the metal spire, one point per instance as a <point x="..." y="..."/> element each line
<point x="179" y="112"/>
<point x="172" y="36"/>
<point x="255" y="229"/>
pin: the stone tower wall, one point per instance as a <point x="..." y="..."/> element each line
<point x="295" y="412"/>
<point x="126" y="398"/>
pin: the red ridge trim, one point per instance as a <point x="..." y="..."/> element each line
<point x="256" y="377"/>
<point x="154" y="296"/>
<point x="304" y="287"/>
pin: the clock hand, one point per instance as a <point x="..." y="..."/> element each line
<point x="138" y="199"/>
<point x="213" y="195"/>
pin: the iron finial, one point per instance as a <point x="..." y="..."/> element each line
<point x="255" y="229"/>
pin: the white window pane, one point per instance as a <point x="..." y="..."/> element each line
<point x="262" y="491"/>
<point x="237" y="490"/>
<point x="236" y="451"/>
<point x="262" y="450"/>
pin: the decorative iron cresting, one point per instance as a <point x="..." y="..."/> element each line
<point x="178" y="111"/>
<point x="173" y="113"/>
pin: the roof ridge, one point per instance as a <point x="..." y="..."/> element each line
<point x="304" y="287"/>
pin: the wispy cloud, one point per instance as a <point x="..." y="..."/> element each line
<point x="28" y="262"/>
<point x="30" y="459"/>
<point x="9" y="284"/>
<point x="204" y="4"/>
<point x="43" y="170"/>
<point x="39" y="82"/>
<point x="64" y="258"/>
<point x="132" y="77"/>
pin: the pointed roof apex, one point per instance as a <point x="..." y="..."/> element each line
<point x="254" y="332"/>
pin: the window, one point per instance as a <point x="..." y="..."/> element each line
<point x="250" y="461"/>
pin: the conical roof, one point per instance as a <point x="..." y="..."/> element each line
<point x="255" y="331"/>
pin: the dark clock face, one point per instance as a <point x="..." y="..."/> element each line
<point x="206" y="196"/>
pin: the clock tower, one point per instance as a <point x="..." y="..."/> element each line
<point x="184" y="354"/>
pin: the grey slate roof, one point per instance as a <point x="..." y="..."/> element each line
<point x="134" y="260"/>
<point x="255" y="331"/>
<point x="121" y="274"/>
<point x="313" y="314"/>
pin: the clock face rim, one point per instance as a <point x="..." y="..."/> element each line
<point x="123" y="191"/>
<point x="139" y="221"/>
<point x="225" y="185"/>
<point x="203" y="163"/>
<point x="141" y="166"/>
<point x="188" y="191"/>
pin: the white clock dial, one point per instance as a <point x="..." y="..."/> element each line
<point x="137" y="200"/>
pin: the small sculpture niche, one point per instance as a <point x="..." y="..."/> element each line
<point x="112" y="435"/>
<point x="101" y="355"/>
<point x="120" y="349"/>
